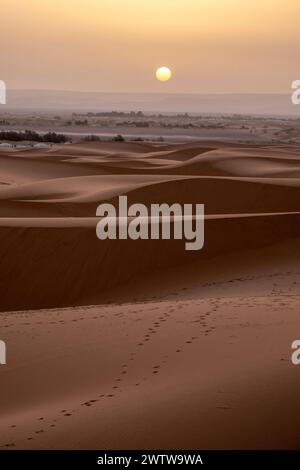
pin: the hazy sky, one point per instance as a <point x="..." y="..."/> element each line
<point x="116" y="45"/>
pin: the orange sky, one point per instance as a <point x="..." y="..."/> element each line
<point x="115" y="45"/>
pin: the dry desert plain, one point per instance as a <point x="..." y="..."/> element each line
<point x="123" y="344"/>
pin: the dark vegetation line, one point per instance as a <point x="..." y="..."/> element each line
<point x="15" y="136"/>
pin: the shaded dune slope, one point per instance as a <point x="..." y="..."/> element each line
<point x="59" y="264"/>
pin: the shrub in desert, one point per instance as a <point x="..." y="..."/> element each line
<point x="119" y="138"/>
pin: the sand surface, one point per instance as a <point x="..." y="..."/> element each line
<point x="128" y="344"/>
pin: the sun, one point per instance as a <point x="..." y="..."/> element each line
<point x="163" y="74"/>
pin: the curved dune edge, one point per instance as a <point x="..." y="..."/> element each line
<point x="80" y="196"/>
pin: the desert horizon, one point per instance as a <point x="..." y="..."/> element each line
<point x="256" y="104"/>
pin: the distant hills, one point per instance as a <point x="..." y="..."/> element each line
<point x="254" y="104"/>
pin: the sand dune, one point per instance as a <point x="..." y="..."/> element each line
<point x="90" y="268"/>
<point x="69" y="181"/>
<point x="80" y="196"/>
<point x="141" y="344"/>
